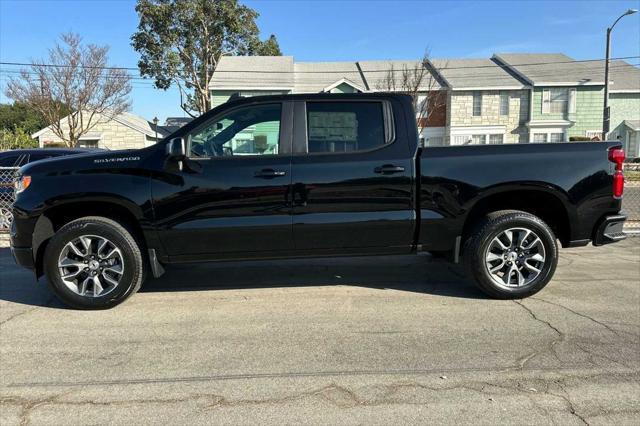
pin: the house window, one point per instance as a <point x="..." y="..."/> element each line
<point x="435" y="141"/>
<point x="557" y="100"/>
<point x="479" y="139"/>
<point x="539" y="137"/>
<point x="496" y="139"/>
<point x="556" y="137"/>
<point x="461" y="140"/>
<point x="504" y="103"/>
<point x="477" y="104"/>
<point x="88" y="143"/>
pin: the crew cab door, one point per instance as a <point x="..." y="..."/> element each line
<point x="353" y="174"/>
<point x="230" y="198"/>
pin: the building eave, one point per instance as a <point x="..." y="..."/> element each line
<point x="567" y="83"/>
<point x="458" y="89"/>
<point x="550" y="123"/>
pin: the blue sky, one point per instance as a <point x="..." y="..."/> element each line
<point x="339" y="30"/>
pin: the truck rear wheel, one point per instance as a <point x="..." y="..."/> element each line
<point x="511" y="254"/>
<point x="93" y="263"/>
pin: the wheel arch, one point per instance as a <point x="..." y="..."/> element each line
<point x="53" y="218"/>
<point x="548" y="203"/>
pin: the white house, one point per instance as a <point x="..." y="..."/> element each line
<point x="123" y="131"/>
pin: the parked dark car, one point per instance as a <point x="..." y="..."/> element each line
<point x="307" y="176"/>
<point x="17" y="158"/>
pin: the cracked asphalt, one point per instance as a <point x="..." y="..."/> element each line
<point x="349" y="341"/>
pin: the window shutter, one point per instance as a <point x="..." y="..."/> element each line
<point x="546" y="101"/>
<point x="572" y="101"/>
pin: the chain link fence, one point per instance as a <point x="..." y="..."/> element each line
<point x="7" y="195"/>
<point x="631" y="200"/>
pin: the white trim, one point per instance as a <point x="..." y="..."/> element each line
<point x="571" y="100"/>
<point x="91" y="136"/>
<point x="625" y="91"/>
<point x="468" y="132"/>
<point x="569" y="83"/>
<point x="41" y="132"/>
<point x="458" y="89"/>
<point x="550" y="123"/>
<point x="547" y="131"/>
<point x="344" y="81"/>
<point x="461" y="130"/>
<point x="240" y="89"/>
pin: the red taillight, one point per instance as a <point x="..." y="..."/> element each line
<point x="616" y="155"/>
<point x="618" y="184"/>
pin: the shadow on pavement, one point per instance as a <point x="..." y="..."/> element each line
<point x="420" y="274"/>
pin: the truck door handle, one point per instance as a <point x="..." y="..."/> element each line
<point x="269" y="173"/>
<point x="388" y="169"/>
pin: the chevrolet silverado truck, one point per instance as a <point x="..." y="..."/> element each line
<point x="310" y="176"/>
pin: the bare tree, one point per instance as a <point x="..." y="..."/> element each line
<point x="74" y="78"/>
<point x="418" y="80"/>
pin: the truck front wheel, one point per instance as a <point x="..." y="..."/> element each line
<point x="93" y="263"/>
<point x="511" y="254"/>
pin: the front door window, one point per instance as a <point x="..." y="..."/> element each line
<point x="252" y="130"/>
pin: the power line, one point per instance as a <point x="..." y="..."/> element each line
<point x="335" y="71"/>
<point x="149" y="81"/>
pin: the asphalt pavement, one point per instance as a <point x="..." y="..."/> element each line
<point x="333" y="341"/>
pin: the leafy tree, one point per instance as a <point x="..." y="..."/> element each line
<point x="181" y="42"/>
<point x="21" y="115"/>
<point x="15" y="139"/>
<point x="75" y="77"/>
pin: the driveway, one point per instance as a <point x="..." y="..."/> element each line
<point x="349" y="341"/>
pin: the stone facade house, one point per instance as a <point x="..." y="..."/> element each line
<point x="123" y="131"/>
<point x="486" y="104"/>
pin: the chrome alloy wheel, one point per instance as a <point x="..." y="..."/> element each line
<point x="515" y="257"/>
<point x="91" y="266"/>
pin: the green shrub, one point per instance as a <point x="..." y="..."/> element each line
<point x="16" y="139"/>
<point x="579" y="139"/>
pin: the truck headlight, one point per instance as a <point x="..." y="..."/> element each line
<point x="22" y="183"/>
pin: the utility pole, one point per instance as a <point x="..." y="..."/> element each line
<point x="606" y="114"/>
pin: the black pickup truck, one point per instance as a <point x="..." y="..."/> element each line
<point x="308" y="176"/>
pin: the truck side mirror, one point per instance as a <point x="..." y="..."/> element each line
<point x="177" y="149"/>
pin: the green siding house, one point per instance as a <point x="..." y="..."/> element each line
<point x="624" y="100"/>
<point x="568" y="97"/>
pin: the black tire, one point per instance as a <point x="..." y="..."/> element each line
<point x="477" y="245"/>
<point x="133" y="262"/>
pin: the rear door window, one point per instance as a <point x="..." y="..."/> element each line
<point x="344" y="126"/>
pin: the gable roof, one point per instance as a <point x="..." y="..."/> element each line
<point x="282" y="73"/>
<point x="318" y="76"/>
<point x="470" y="74"/>
<point x="253" y="72"/>
<point x="552" y="69"/>
<point x="377" y="72"/>
<point x="125" y="118"/>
